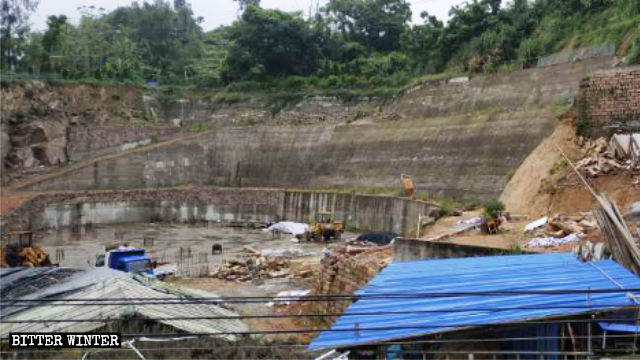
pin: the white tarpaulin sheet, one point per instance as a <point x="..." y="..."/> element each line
<point x="289" y="227"/>
<point x="551" y="241"/>
<point x="476" y="220"/>
<point x="536" y="224"/>
<point x="285" y="297"/>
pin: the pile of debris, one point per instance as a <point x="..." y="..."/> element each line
<point x="591" y="252"/>
<point x="602" y="157"/>
<point x="560" y="229"/>
<point x="255" y="265"/>
<point x="562" y="225"/>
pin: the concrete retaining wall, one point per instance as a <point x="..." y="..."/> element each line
<point x="359" y="212"/>
<point x="556" y="84"/>
<point x="405" y="249"/>
<point x="69" y="215"/>
<point x="381" y="213"/>
<point x="318" y="143"/>
<point x="464" y="156"/>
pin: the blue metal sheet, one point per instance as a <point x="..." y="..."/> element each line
<point x="626" y="328"/>
<point x="480" y="274"/>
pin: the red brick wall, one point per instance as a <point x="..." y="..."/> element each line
<point x="609" y="101"/>
<point x="345" y="270"/>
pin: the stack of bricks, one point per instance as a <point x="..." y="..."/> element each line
<point x="344" y="270"/>
<point x="610" y="101"/>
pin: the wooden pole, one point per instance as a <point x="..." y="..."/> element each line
<point x="577" y="172"/>
<point x="613" y="214"/>
<point x="573" y="339"/>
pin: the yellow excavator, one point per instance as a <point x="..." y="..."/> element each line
<point x="16" y="249"/>
<point x="325" y="227"/>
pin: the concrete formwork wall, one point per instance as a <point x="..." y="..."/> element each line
<point x="53" y="211"/>
<point x="376" y="213"/>
<point x="69" y="215"/>
<point x="405" y="249"/>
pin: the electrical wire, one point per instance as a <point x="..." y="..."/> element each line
<point x="370" y="329"/>
<point x="434" y="341"/>
<point x="343" y="296"/>
<point x="317" y="315"/>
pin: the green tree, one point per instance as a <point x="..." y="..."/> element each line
<point x="123" y="60"/>
<point x="87" y="56"/>
<point x="169" y="40"/>
<point x="424" y="44"/>
<point x="377" y="24"/>
<point x="34" y="55"/>
<point x="243" y="4"/>
<point x="493" y="208"/>
<point x="466" y="23"/>
<point x="53" y="40"/>
<point x="208" y="69"/>
<point x="14" y="28"/>
<point x="634" y="56"/>
<point x="270" y="43"/>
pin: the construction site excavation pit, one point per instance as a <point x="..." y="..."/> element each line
<point x="190" y="248"/>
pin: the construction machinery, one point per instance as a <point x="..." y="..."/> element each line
<point x="407" y="184"/>
<point x="134" y="260"/>
<point x="16" y="249"/>
<point x="325" y="227"/>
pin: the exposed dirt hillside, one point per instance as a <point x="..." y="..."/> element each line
<point x="544" y="184"/>
<point x="525" y="191"/>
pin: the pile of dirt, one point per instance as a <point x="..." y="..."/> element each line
<point x="525" y="191"/>
<point x="545" y="183"/>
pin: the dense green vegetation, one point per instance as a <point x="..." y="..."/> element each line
<point x="493" y="208"/>
<point x="348" y="44"/>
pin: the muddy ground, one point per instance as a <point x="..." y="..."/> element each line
<point x="183" y="245"/>
<point x="80" y="248"/>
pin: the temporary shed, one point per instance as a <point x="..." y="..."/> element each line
<point x="413" y="299"/>
<point x="131" y="296"/>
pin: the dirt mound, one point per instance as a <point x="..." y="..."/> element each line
<point x="524" y="192"/>
<point x="545" y="184"/>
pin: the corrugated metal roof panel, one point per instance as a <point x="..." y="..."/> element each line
<point x="626" y="328"/>
<point x="480" y="274"/>
<point x="22" y="281"/>
<point x="119" y="287"/>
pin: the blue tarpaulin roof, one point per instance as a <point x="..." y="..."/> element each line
<point x="396" y="318"/>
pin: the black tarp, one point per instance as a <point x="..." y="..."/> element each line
<point x="379" y="238"/>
